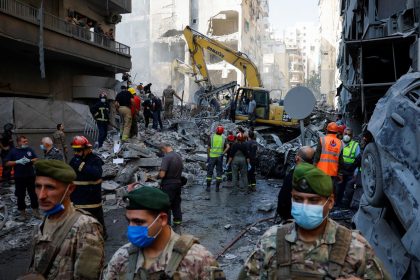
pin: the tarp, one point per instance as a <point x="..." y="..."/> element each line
<point x="32" y="113"/>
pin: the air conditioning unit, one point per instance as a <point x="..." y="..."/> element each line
<point x="113" y="18"/>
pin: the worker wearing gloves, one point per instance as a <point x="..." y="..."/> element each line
<point x="216" y="149"/>
<point x="238" y="157"/>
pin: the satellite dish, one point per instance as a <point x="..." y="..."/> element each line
<point x="299" y="102"/>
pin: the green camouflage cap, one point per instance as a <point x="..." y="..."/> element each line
<point x="56" y="169"/>
<point x="309" y="179"/>
<point x="147" y="198"/>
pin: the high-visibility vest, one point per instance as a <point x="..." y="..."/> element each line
<point x="217" y="144"/>
<point x="331" y="148"/>
<point x="349" y="152"/>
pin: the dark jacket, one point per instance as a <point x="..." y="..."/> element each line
<point x="100" y="112"/>
<point x="89" y="180"/>
<point x="54" y="153"/>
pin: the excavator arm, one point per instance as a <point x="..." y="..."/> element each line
<point x="198" y="42"/>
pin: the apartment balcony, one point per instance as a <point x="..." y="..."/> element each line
<point x="19" y="29"/>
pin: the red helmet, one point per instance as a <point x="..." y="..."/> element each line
<point x="220" y="129"/>
<point x="231" y="138"/>
<point x="80" y="142"/>
<point x="332" y="127"/>
<point x="240" y="137"/>
<point x="341" y="128"/>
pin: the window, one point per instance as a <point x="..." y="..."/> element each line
<point x="246" y="26"/>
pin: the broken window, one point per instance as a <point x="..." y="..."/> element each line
<point x="224" y="23"/>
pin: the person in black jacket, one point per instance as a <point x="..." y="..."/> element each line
<point x="284" y="202"/>
<point x="100" y="112"/>
<point x="156" y="109"/>
<point x="88" y="168"/>
<point x="252" y="153"/>
<point x="147" y="110"/>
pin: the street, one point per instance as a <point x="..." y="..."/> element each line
<point x="205" y="216"/>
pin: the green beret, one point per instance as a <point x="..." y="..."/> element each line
<point x="309" y="179"/>
<point x="56" y="169"/>
<point x="147" y="198"/>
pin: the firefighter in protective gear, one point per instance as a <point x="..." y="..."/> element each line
<point x="215" y="152"/>
<point x="88" y="168"/>
<point x="328" y="151"/>
<point x="100" y="112"/>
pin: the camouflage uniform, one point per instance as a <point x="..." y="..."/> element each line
<point x="81" y="255"/>
<point x="312" y="258"/>
<point x="59" y="141"/>
<point x="168" y="94"/>
<point x="198" y="263"/>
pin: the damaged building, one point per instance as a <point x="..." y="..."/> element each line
<point x="379" y="71"/>
<point x="56" y="57"/>
<point x="376" y="35"/>
<point x="240" y="25"/>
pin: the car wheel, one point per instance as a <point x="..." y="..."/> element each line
<point x="372" y="179"/>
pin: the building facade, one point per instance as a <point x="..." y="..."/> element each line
<point x="79" y="55"/>
<point x="238" y="24"/>
<point x="330" y="28"/>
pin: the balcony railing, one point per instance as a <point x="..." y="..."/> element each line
<point x="28" y="13"/>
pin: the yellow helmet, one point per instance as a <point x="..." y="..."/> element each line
<point x="132" y="90"/>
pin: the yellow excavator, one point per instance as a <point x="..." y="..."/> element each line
<point x="267" y="113"/>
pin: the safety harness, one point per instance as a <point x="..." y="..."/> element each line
<point x="179" y="251"/>
<point x="336" y="260"/>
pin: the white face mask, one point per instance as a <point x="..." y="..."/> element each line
<point x="103" y="100"/>
<point x="346" y="138"/>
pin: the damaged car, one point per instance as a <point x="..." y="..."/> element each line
<point x="389" y="213"/>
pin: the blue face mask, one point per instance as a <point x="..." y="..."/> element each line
<point x="139" y="235"/>
<point x="57" y="208"/>
<point x="24" y="146"/>
<point x="308" y="216"/>
<point x="42" y="147"/>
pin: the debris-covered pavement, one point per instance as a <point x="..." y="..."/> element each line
<point x="223" y="215"/>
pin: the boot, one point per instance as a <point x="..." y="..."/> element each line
<point x="36" y="214"/>
<point x="208" y="187"/>
<point x="217" y="187"/>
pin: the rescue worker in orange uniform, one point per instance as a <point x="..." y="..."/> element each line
<point x="328" y="151"/>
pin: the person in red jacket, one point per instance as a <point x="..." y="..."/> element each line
<point x="135" y="109"/>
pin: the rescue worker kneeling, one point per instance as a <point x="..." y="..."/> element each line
<point x="155" y="251"/>
<point x="313" y="246"/>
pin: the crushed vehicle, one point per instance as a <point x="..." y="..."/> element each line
<point x="384" y="105"/>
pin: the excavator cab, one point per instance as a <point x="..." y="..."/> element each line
<point x="267" y="112"/>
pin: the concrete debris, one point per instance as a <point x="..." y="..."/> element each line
<point x="228" y="226"/>
<point x="230" y="256"/>
<point x="266" y="207"/>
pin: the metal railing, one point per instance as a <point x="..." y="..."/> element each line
<point x="29" y="13"/>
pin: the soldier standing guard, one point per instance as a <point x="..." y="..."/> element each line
<point x="68" y="244"/>
<point x="155" y="251"/>
<point x="313" y="246"/>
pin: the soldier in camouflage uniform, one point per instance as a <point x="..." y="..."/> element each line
<point x="168" y="101"/>
<point x="312" y="246"/>
<point x="155" y="251"/>
<point x="68" y="244"/>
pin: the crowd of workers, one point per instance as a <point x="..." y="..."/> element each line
<point x="69" y="244"/>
